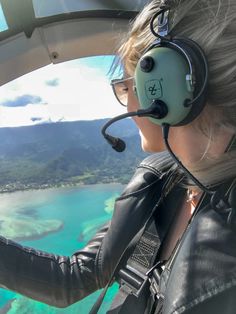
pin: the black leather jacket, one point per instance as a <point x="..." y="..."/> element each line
<point x="201" y="278"/>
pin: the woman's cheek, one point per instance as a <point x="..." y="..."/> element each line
<point x="150" y="134"/>
<point x="133" y="104"/>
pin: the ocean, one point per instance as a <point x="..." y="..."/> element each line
<point x="59" y="221"/>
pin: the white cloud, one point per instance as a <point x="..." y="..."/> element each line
<point x="82" y="93"/>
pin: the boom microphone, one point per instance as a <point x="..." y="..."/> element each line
<point x="157" y="110"/>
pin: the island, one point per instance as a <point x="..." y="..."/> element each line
<point x="20" y="229"/>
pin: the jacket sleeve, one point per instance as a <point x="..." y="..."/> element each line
<point x="52" y="279"/>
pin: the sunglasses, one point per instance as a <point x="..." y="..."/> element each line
<point x="120" y="90"/>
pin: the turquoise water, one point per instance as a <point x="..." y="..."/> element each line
<point x="82" y="210"/>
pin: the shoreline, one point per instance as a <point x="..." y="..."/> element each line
<point x="14" y="198"/>
<point x="56" y="186"/>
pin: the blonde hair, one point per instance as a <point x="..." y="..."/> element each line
<point x="212" y="24"/>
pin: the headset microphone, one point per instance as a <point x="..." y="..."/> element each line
<point x="157" y="110"/>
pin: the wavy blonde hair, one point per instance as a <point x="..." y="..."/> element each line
<point x="212" y="24"/>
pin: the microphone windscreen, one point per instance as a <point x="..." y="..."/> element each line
<point x="119" y="146"/>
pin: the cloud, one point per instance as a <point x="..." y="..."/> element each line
<point x="19" y="116"/>
<point x="22" y="101"/>
<point x="34" y="119"/>
<point x="54" y="82"/>
<point x="42" y="120"/>
<point x="83" y="93"/>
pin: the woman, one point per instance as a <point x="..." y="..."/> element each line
<point x="162" y="265"/>
<point x="201" y="145"/>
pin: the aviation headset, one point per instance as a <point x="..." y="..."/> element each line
<point x="172" y="75"/>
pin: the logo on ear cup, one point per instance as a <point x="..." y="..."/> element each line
<point x="153" y="89"/>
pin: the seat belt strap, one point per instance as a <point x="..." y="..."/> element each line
<point x="125" y="302"/>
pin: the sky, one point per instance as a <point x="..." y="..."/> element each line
<point x="3" y="24"/>
<point x="70" y="91"/>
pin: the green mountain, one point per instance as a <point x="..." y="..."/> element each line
<point x="61" y="153"/>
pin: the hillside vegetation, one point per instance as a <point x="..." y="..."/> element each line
<point x="66" y="153"/>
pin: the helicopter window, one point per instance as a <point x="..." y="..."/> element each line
<point x="44" y="8"/>
<point x="59" y="170"/>
<point x="74" y="90"/>
<point x="51" y="116"/>
<point x="3" y="23"/>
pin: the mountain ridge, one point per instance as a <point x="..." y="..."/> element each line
<point x="55" y="154"/>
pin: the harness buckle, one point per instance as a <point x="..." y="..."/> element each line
<point x="135" y="280"/>
<point x="155" y="285"/>
<point x="154" y="276"/>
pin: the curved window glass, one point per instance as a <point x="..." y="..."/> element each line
<point x="3" y="23"/>
<point x="70" y="91"/>
<point x="44" y="8"/>
<point x="53" y="158"/>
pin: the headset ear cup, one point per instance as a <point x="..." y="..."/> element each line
<point x="200" y="69"/>
<point x="182" y="57"/>
<point x="165" y="79"/>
